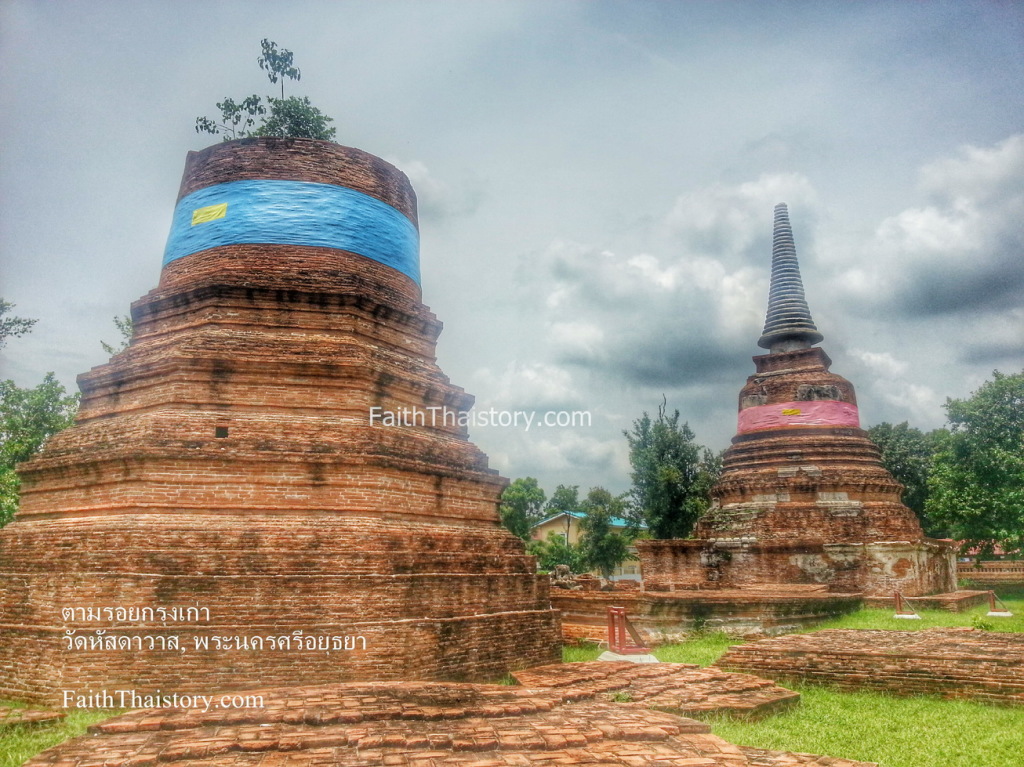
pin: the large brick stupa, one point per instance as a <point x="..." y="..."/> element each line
<point x="226" y="513"/>
<point x="803" y="500"/>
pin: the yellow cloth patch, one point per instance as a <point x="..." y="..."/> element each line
<point x="209" y="213"/>
<point x="790" y="411"/>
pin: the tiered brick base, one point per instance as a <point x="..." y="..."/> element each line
<point x="226" y="463"/>
<point x="667" y="617"/>
<point x="431" y="724"/>
<point x="801" y="502"/>
<point x="415" y="601"/>
<point x="876" y="569"/>
<point x="954" y="663"/>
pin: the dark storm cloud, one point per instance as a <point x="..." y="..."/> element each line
<point x="661" y="356"/>
<point x="995" y="287"/>
<point x="1007" y="356"/>
<point x="959" y="254"/>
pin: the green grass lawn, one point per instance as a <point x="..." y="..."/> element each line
<point x="702" y="649"/>
<point x="18" y="743"/>
<point x="1013" y="598"/>
<point x="914" y="731"/>
<point x="918" y="731"/>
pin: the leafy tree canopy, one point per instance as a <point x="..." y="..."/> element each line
<point x="28" y="417"/>
<point x="672" y="475"/>
<point x="603" y="548"/>
<point x="522" y="506"/>
<point x="296" y="118"/>
<point x="278" y="64"/>
<point x="907" y="455"/>
<point x="291" y="117"/>
<point x="12" y="327"/>
<point x="555" y="551"/>
<point x="565" y="498"/>
<point x="976" y="487"/>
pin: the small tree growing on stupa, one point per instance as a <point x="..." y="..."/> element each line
<point x="291" y="117"/>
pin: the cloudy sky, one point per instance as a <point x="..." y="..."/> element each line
<point x="596" y="184"/>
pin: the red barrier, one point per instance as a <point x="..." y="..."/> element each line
<point x="618" y="628"/>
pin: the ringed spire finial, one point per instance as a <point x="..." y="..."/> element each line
<point x="788" y="325"/>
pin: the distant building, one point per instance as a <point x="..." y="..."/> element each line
<point x="567" y="525"/>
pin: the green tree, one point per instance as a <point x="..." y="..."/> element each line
<point x="10" y="486"/>
<point x="522" y="506"/>
<point x="278" y="64"/>
<point x="565" y="498"/>
<point x="672" y="475"/>
<point x="295" y="118"/>
<point x="976" y="487"/>
<point x="236" y="119"/>
<point x="290" y="117"/>
<point x="603" y="548"/>
<point x="125" y="327"/>
<point x="556" y="551"/>
<point x="907" y="455"/>
<point x="28" y="417"/>
<point x="12" y="327"/>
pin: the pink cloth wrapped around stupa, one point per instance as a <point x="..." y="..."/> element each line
<point x="786" y="414"/>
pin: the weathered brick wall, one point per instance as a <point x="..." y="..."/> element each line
<point x="954" y="663"/>
<point x="924" y="567"/>
<point x="227" y="460"/>
<point x="993" y="573"/>
<point x="297" y="159"/>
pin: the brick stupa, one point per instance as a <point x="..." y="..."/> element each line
<point x="224" y="513"/>
<point x="803" y="500"/>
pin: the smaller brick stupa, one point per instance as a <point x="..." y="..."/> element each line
<point x="803" y="500"/>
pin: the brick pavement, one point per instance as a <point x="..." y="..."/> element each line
<point x="679" y="688"/>
<point x="9" y="716"/>
<point x="570" y="717"/>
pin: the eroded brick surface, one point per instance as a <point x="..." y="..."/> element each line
<point x="424" y="724"/>
<point x="954" y="663"/>
<point x="10" y="715"/>
<point x="1001" y="573"/>
<point x="679" y="688"/>
<point x="798" y="504"/>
